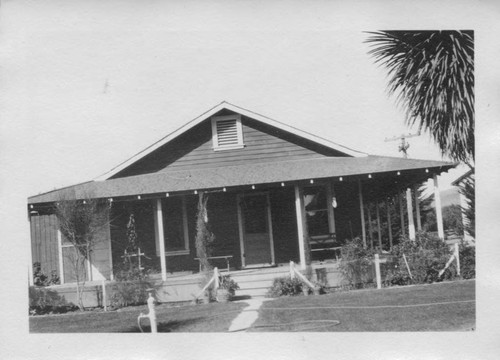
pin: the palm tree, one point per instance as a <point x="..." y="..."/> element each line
<point x="432" y="74"/>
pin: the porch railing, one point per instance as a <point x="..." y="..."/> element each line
<point x="296" y="273"/>
<point x="213" y="280"/>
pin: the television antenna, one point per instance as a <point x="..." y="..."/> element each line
<point x="404" y="145"/>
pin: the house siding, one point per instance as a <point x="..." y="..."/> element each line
<point x="194" y="150"/>
<point x="44" y="245"/>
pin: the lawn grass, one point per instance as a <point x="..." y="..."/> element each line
<point x="391" y="309"/>
<point x="212" y="317"/>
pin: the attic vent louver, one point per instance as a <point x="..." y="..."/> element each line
<point x="226" y="132"/>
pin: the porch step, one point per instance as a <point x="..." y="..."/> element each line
<point x="256" y="283"/>
<point x="257" y="292"/>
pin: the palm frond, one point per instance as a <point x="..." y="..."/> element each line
<point x="432" y="75"/>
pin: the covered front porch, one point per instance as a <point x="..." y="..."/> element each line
<point x="261" y="215"/>
<point x="264" y="225"/>
<point x="254" y="227"/>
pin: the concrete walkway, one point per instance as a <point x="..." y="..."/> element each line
<point x="248" y="316"/>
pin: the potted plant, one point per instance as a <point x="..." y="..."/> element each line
<point x="227" y="288"/>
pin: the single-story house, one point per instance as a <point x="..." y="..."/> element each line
<point x="272" y="190"/>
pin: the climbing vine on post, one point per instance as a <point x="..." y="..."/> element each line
<point x="131" y="235"/>
<point x="204" y="237"/>
<point x="131" y="247"/>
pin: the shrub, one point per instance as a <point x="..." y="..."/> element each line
<point x="426" y="256"/>
<point x="47" y="301"/>
<point x="467" y="256"/>
<point x="225" y="282"/>
<point x="131" y="286"/>
<point x="356" y="264"/>
<point x="40" y="279"/>
<point x="285" y="286"/>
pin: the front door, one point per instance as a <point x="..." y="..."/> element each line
<point x="255" y="230"/>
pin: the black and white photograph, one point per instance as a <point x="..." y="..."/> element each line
<point x="249" y="179"/>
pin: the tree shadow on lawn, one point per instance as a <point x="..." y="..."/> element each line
<point x="169" y="326"/>
<point x="210" y="323"/>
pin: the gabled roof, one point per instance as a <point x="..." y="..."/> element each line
<point x="247" y="175"/>
<point x="225" y="105"/>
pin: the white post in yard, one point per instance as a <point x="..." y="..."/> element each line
<point x="402" y="214"/>
<point x="439" y="212"/>
<point x="377" y="272"/>
<point x="160" y="238"/>
<point x="361" y="208"/>
<point x="152" y="314"/>
<point x="216" y="278"/>
<point x="292" y="273"/>
<point x="379" y="229"/>
<point x="457" y="257"/>
<point x="409" y="207"/>
<point x="299" y="209"/>
<point x="389" y="225"/>
<point x="417" y="208"/>
<point x="104" y="297"/>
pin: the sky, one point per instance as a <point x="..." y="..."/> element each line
<point x="86" y="85"/>
<point x="98" y="85"/>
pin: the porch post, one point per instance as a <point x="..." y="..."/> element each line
<point x="299" y="209"/>
<point x="330" y="194"/>
<point x="437" y="204"/>
<point x="160" y="239"/>
<point x="389" y="225"/>
<point x="60" y="252"/>
<point x="409" y="208"/>
<point x="90" y="268"/>
<point x="111" y="274"/>
<point x="417" y="208"/>
<point x="370" y="229"/>
<point x="402" y="214"/>
<point x="361" y="208"/>
<point x="378" y="226"/>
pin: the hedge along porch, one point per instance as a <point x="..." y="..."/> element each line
<point x="273" y="191"/>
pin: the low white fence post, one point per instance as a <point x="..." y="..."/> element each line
<point x="292" y="272"/>
<point x="377" y="272"/>
<point x="104" y="297"/>
<point x="457" y="253"/>
<point x="216" y="278"/>
<point x="407" y="266"/>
